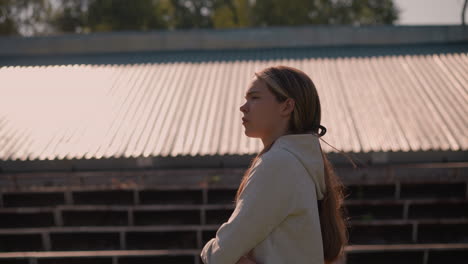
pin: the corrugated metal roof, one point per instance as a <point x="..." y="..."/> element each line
<point x="190" y="106"/>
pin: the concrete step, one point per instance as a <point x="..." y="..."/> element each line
<point x="93" y="196"/>
<point x="407" y="209"/>
<point x="103" y="215"/>
<point x="187" y="177"/>
<point x="379" y="232"/>
<point x="100" y="238"/>
<point x="215" y="195"/>
<point x="409" y="231"/>
<point x="187" y="214"/>
<point x="398" y="253"/>
<point x="407" y="253"/>
<point x="189" y="256"/>
<point x="399" y="190"/>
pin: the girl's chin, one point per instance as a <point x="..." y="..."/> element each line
<point x="247" y="132"/>
<point x="250" y="133"/>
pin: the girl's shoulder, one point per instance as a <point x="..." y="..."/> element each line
<point x="277" y="161"/>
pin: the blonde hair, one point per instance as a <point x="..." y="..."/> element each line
<point x="287" y="82"/>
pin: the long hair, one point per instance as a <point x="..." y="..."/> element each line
<point x="287" y="82"/>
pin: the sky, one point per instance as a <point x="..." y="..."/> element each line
<point x="430" y="12"/>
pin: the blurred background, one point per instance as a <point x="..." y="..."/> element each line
<point x="50" y="17"/>
<point x="121" y="138"/>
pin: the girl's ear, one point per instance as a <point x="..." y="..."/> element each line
<point x="288" y="106"/>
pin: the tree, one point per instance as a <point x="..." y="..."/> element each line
<point x="186" y="14"/>
<point x="344" y="12"/>
<point x="280" y="12"/>
<point x="232" y="14"/>
<point x="79" y="16"/>
<point x="463" y="12"/>
<point x="23" y="17"/>
<point x="82" y="16"/>
<point x="70" y="16"/>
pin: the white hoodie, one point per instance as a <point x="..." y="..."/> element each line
<point x="276" y="219"/>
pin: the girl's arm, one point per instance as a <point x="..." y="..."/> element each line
<point x="268" y="198"/>
<point x="245" y="260"/>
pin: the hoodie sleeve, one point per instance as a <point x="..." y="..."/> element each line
<point x="267" y="199"/>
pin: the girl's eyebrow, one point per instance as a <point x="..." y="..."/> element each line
<point x="251" y="92"/>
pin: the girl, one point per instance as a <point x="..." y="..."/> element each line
<point x="289" y="205"/>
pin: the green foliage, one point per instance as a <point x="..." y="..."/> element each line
<point x="70" y="17"/>
<point x="82" y="16"/>
<point x="303" y="12"/>
<point x="232" y="14"/>
<point x="280" y="12"/>
<point x="188" y="14"/>
<point x="224" y="17"/>
<point x="117" y="15"/>
<point x="24" y="17"/>
<point x="107" y="15"/>
<point x="366" y="12"/>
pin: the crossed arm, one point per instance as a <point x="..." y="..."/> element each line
<point x="245" y="260"/>
<point x="265" y="202"/>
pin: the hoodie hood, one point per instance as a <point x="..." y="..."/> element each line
<point x="306" y="148"/>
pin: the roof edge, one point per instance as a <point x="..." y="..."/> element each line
<point x="219" y="39"/>
<point x="221" y="161"/>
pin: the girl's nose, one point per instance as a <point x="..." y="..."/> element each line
<point x="241" y="108"/>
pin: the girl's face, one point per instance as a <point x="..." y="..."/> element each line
<point x="263" y="116"/>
